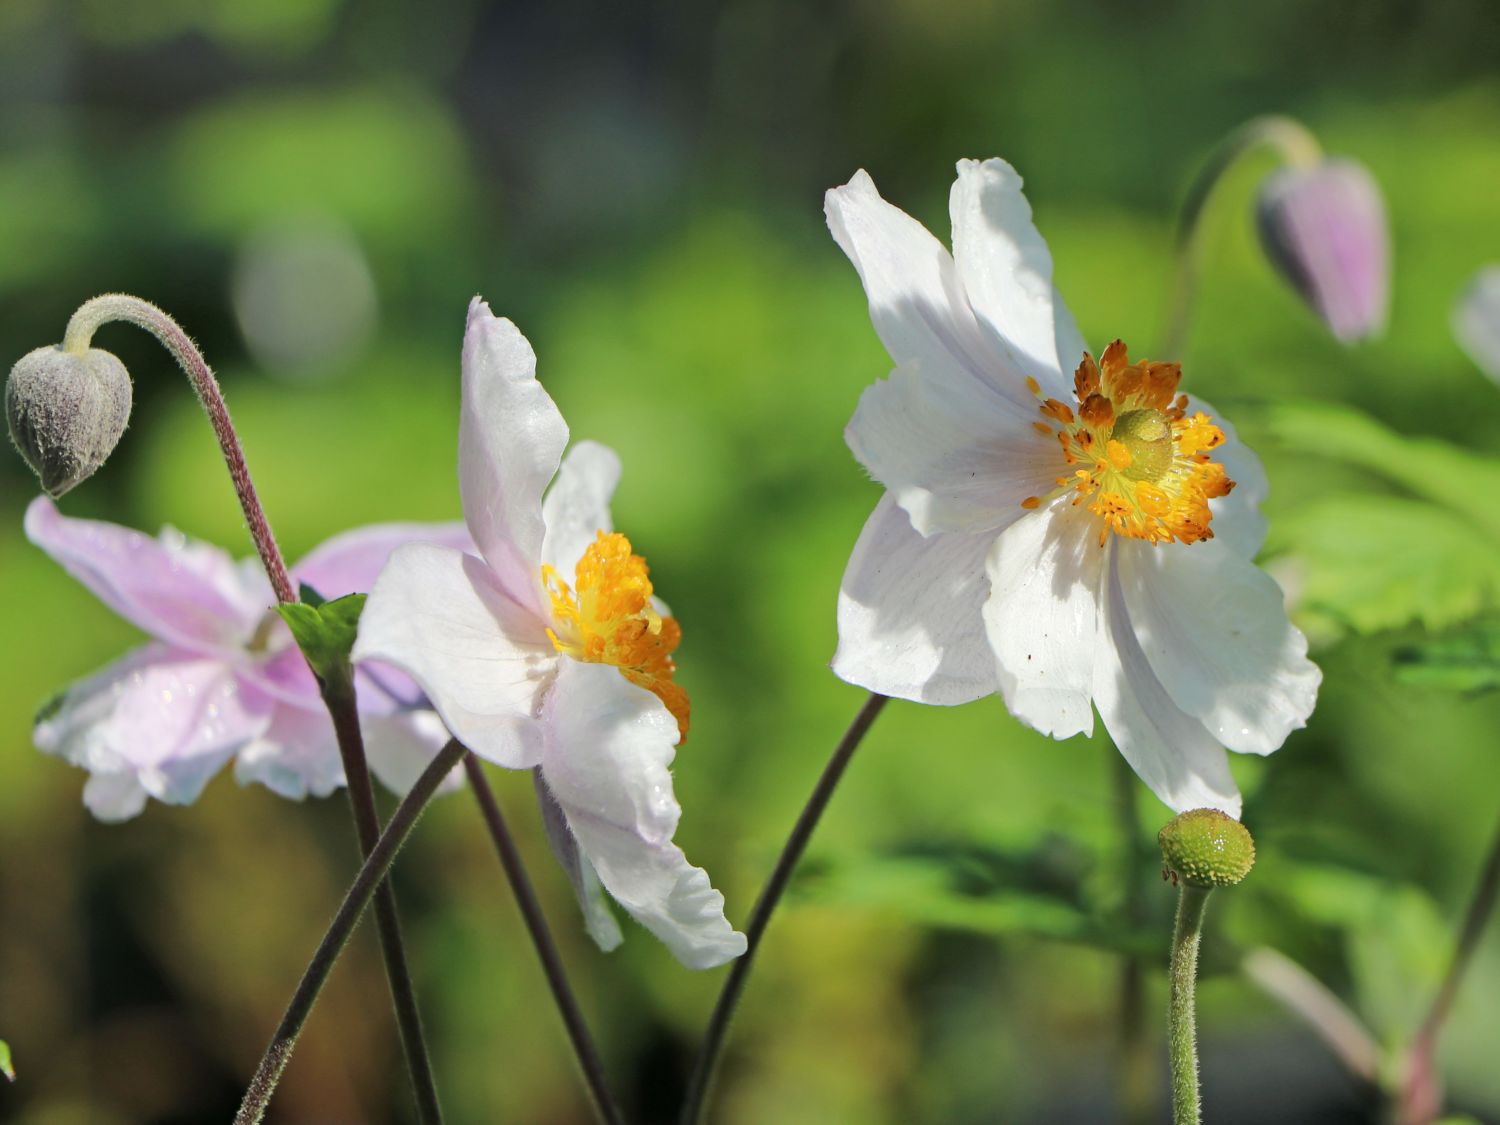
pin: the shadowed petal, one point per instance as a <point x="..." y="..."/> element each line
<point x="442" y="617"/>
<point x="350" y="562"/>
<point x="187" y="593"/>
<point x="597" y="918"/>
<point x="1042" y="616"/>
<point x="609" y="744"/>
<point x="510" y="440"/>
<point x="910" y="622"/>
<point x="576" y="508"/>
<point x="1171" y="751"/>
<point x="1215" y="632"/>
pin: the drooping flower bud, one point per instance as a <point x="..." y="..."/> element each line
<point x="1476" y="321"/>
<point x="1323" y="226"/>
<point x="1207" y="848"/>
<point x="66" y="412"/>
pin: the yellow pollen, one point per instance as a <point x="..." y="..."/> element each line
<point x="607" y="618"/>
<point x="1146" y="467"/>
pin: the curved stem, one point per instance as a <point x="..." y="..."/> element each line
<point x="343" y="709"/>
<point x="1182" y="1020"/>
<point x="765" y="906"/>
<point x="120" y="306"/>
<point x="546" y="950"/>
<point x="371" y="875"/>
<point x="1137" y="1067"/>
<point x="1422" y="1098"/>
<point x="1302" y="994"/>
<point x="1291" y="141"/>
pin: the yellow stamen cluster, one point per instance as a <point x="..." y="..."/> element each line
<point x="1135" y="456"/>
<point x="606" y="618"/>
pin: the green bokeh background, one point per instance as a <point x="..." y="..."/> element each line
<point x="639" y="188"/>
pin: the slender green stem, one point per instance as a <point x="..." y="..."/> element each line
<point x="587" y="1054"/>
<point x="1291" y="141"/>
<point x="1137" y="1066"/>
<point x="371" y="874"/>
<point x="1422" y="1096"/>
<point x="343" y="709"/>
<point x="91" y="315"/>
<point x="1302" y="994"/>
<point x="1182" y="1021"/>
<point x="701" y="1080"/>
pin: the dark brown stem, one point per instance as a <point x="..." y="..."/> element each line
<point x="371" y="875"/>
<point x="120" y="306"/>
<point x="343" y="710"/>
<point x="546" y="949"/>
<point x="781" y="876"/>
<point x="1422" y="1096"/>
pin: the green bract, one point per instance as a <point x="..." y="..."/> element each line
<point x="1207" y="848"/>
<point x="325" y="633"/>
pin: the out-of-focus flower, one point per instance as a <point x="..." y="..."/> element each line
<point x="550" y="652"/>
<point x="1045" y="531"/>
<point x="221" y="677"/>
<point x="1324" y="228"/>
<point x="1476" y="321"/>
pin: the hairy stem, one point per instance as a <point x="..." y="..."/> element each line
<point x="120" y="306"/>
<point x="339" y="698"/>
<point x="1422" y="1096"/>
<point x="268" y="1073"/>
<point x="1286" y="137"/>
<point x="546" y="949"/>
<point x="781" y="876"/>
<point x="1182" y="1020"/>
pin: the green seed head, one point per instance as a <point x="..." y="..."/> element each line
<point x="1207" y="848"/>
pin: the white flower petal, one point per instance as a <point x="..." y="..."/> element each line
<point x="1007" y="269"/>
<point x="296" y="756"/>
<point x="598" y="920"/>
<point x="350" y="562"/>
<point x="402" y="744"/>
<point x="576" y="507"/>
<point x="953" y="458"/>
<point x="1171" y="751"/>
<point x="1042" y="616"/>
<point x="178" y="590"/>
<point x="1236" y="518"/>
<point x="510" y="440"/>
<point x="442" y="617"/>
<point x="1215" y="632"/>
<point x="910" y="624"/>
<point x="159" y="722"/>
<point x="609" y="744"/>
<point x="1070" y="343"/>
<point x="917" y="302"/>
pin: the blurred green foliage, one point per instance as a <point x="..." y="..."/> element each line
<point x="639" y="188"/>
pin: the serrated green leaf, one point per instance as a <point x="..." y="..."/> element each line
<point x="325" y="633"/>
<point x="1467" y="659"/>
<point x="7" y="1068"/>
<point x="1371" y="563"/>
<point x="1425" y="467"/>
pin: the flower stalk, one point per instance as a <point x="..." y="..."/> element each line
<point x="1182" y="1024"/>
<point x="371" y="875"/>
<point x="587" y="1054"/>
<point x="781" y="875"/>
<point x="1296" y="147"/>
<point x="93" y="314"/>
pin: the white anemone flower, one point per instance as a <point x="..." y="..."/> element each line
<point x="549" y="652"/>
<point x="1070" y="533"/>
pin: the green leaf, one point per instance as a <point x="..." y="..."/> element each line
<point x="1466" y="659"/>
<point x="1445" y="474"/>
<point x="325" y="633"/>
<point x="7" y="1068"/>
<point x="1367" y="563"/>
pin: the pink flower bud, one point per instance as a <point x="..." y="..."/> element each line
<point x="1324" y="229"/>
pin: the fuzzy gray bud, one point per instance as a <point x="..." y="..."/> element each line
<point x="66" y="412"/>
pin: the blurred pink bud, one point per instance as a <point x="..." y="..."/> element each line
<point x="1324" y="229"/>
<point x="1476" y="321"/>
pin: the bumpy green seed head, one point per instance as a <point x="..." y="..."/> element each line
<point x="1207" y="848"/>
